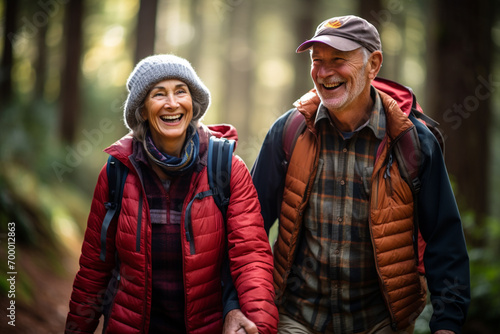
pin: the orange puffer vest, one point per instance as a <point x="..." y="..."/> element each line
<point x="391" y="215"/>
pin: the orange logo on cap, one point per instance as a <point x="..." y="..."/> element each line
<point x="333" y="24"/>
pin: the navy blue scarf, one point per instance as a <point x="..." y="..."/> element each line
<point x="174" y="166"/>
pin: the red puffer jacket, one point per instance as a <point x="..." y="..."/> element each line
<point x="251" y="260"/>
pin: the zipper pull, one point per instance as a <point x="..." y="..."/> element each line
<point x="387" y="173"/>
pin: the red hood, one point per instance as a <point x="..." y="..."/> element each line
<point x="224" y="131"/>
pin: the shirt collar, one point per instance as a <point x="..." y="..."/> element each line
<point x="376" y="122"/>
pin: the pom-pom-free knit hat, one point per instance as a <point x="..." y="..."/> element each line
<point x="154" y="69"/>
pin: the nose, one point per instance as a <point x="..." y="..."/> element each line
<point x="171" y="102"/>
<point x="325" y="71"/>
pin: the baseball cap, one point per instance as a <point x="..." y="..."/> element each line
<point x="345" y="33"/>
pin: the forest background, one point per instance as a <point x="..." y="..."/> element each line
<point x="63" y="68"/>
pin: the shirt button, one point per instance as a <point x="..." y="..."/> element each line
<point x="344" y="150"/>
<point x="337" y="251"/>
<point x="342" y="182"/>
<point x="340" y="219"/>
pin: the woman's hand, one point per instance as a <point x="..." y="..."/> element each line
<point x="236" y="322"/>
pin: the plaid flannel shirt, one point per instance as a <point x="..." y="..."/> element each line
<point x="334" y="283"/>
<point x="165" y="201"/>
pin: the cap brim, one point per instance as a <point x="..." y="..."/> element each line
<point x="336" y="42"/>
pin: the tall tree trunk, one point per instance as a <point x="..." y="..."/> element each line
<point x="238" y="105"/>
<point x="305" y="25"/>
<point x="373" y="12"/>
<point x="70" y="82"/>
<point x="459" y="92"/>
<point x="7" y="62"/>
<point x="198" y="23"/>
<point x="41" y="62"/>
<point x="146" y="29"/>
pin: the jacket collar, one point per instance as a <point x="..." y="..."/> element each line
<point x="126" y="146"/>
<point x="387" y="117"/>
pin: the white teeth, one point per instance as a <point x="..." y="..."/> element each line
<point x="171" y="117"/>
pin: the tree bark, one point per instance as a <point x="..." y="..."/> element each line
<point x="41" y="62"/>
<point x="238" y="106"/>
<point x="146" y="29"/>
<point x="11" y="9"/>
<point x="70" y="81"/>
<point x="305" y="26"/>
<point x="459" y="93"/>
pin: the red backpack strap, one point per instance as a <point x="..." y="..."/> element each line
<point x="295" y="124"/>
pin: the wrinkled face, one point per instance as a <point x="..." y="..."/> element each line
<point x="339" y="76"/>
<point x="169" y="109"/>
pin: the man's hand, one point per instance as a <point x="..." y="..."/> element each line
<point x="236" y="322"/>
<point x="444" y="331"/>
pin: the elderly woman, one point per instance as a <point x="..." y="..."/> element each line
<point x="163" y="285"/>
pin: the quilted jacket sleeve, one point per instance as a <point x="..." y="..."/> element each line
<point x="91" y="281"/>
<point x="251" y="259"/>
<point x="445" y="258"/>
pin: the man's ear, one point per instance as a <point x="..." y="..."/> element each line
<point x="375" y="63"/>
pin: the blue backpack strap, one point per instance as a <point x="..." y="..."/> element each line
<point x="220" y="153"/>
<point x="117" y="174"/>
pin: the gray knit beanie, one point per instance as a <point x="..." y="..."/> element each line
<point x="154" y="69"/>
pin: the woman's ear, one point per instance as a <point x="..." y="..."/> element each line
<point x="375" y="63"/>
<point x="143" y="112"/>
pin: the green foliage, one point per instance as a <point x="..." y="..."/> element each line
<point x="484" y="311"/>
<point x="48" y="215"/>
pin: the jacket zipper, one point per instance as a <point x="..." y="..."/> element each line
<point x="138" y="238"/>
<point x="387" y="174"/>
<point x="300" y="213"/>
<point x="190" y="240"/>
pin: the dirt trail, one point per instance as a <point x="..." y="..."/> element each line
<point x="47" y="312"/>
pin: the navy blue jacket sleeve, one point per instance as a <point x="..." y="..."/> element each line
<point x="446" y="260"/>
<point x="230" y="299"/>
<point x="269" y="171"/>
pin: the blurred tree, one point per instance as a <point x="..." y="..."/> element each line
<point x="70" y="81"/>
<point x="41" y="61"/>
<point x="371" y="10"/>
<point x="198" y="22"/>
<point x="146" y="29"/>
<point x="239" y="74"/>
<point x="306" y="23"/>
<point x="11" y="11"/>
<point x="459" y="92"/>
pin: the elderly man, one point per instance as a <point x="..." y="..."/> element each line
<point x="347" y="257"/>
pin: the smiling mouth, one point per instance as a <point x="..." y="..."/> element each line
<point x="332" y="86"/>
<point x="171" y="118"/>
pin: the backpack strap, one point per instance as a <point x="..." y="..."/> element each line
<point x="117" y="174"/>
<point x="220" y="153"/>
<point x="432" y="125"/>
<point x="294" y="126"/>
